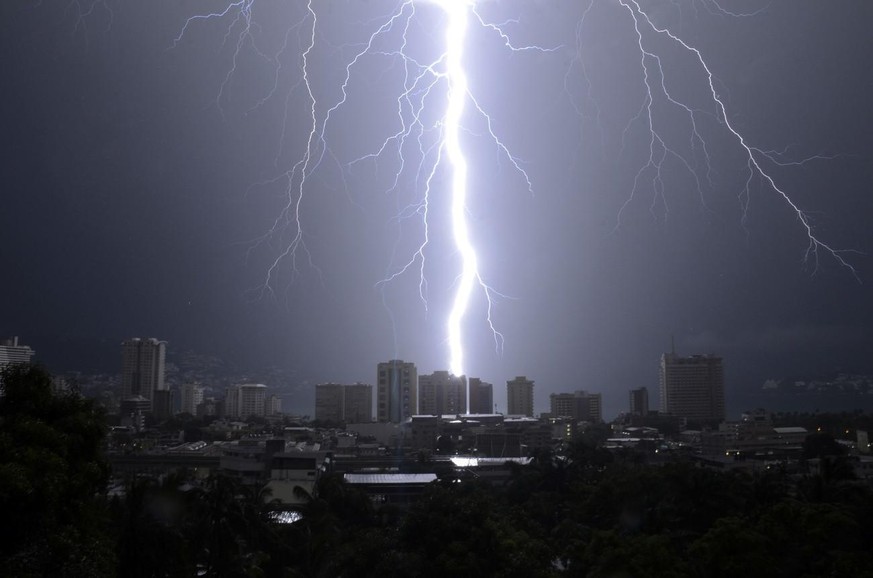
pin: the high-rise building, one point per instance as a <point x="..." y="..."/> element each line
<point x="693" y="387"/>
<point x="592" y="406"/>
<point x="344" y="403"/>
<point x="519" y="396"/>
<point x="358" y="403"/>
<point x="481" y="396"/>
<point x="273" y="406"/>
<point x="396" y="391"/>
<point x="442" y="393"/>
<point x="639" y="401"/>
<point x="329" y="399"/>
<point x="162" y="403"/>
<point x="192" y="396"/>
<point x="578" y="406"/>
<point x="242" y="401"/>
<point x="12" y="352"/>
<point x="142" y="368"/>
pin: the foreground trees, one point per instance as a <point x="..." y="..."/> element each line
<point x="52" y="474"/>
<point x="584" y="513"/>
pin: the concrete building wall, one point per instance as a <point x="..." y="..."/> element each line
<point x="396" y="391"/>
<point x="519" y="396"/>
<point x="142" y="367"/>
<point x="693" y="387"/>
<point x="481" y="396"/>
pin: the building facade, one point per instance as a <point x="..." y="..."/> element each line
<point x="329" y="402"/>
<point x="162" y="403"/>
<point x="396" y="391"/>
<point x="639" y="401"/>
<point x="12" y="352"/>
<point x="442" y="393"/>
<point x="519" y="396"/>
<point x="273" y="406"/>
<point x="191" y="397"/>
<point x="693" y="387"/>
<point x="481" y="396"/>
<point x="358" y="403"/>
<point x="578" y="406"/>
<point x="242" y="401"/>
<point x="335" y="402"/>
<point x="142" y="367"/>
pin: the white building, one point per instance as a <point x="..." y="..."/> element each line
<point x="242" y="401"/>
<point x="273" y="406"/>
<point x="519" y="396"/>
<point x="12" y="352"/>
<point x="396" y="391"/>
<point x="192" y="396"/>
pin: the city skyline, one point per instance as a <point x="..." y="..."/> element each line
<point x="147" y="167"/>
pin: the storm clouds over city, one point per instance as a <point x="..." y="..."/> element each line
<point x="147" y="158"/>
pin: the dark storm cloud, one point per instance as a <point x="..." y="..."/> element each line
<point x="131" y="195"/>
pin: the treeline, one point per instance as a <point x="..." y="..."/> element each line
<point x="587" y="513"/>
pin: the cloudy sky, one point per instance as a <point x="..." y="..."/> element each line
<point x="146" y="162"/>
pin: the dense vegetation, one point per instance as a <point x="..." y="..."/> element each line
<point x="587" y="513"/>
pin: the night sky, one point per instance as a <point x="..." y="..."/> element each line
<point x="139" y="173"/>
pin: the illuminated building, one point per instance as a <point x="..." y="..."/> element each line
<point x="142" y="368"/>
<point x="396" y="391"/>
<point x="519" y="396"/>
<point x="693" y="387"/>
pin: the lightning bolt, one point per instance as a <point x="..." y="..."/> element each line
<point x="754" y="156"/>
<point x="425" y="142"/>
<point x="457" y="78"/>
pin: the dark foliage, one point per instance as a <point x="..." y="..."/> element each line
<point x="52" y="473"/>
<point x="587" y="512"/>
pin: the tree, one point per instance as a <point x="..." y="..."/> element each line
<point x="52" y="476"/>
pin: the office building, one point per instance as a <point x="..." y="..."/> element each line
<point x="192" y="396"/>
<point x="396" y="391"/>
<point x="142" y="368"/>
<point x="693" y="387"/>
<point x="442" y="393"/>
<point x="519" y="396"/>
<point x="481" y="396"/>
<point x="243" y="401"/>
<point x="639" y="401"/>
<point x="578" y="406"/>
